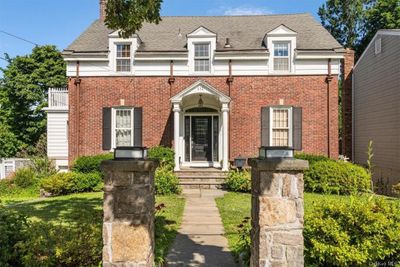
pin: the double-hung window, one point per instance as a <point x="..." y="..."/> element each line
<point x="202" y="57"/>
<point x="281" y="119"/>
<point x="123" y="127"/>
<point x="123" y="59"/>
<point x="281" y="56"/>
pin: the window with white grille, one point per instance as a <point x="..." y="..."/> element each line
<point x="281" y="57"/>
<point x="123" y="127"/>
<point x="123" y="58"/>
<point x="281" y="127"/>
<point x="202" y="57"/>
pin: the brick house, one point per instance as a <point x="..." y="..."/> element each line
<point x="213" y="88"/>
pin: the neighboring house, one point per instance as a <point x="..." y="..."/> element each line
<point x="212" y="87"/>
<point x="10" y="165"/>
<point x="376" y="107"/>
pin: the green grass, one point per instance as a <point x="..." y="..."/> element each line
<point x="65" y="209"/>
<point x="233" y="207"/>
<point x="15" y="194"/>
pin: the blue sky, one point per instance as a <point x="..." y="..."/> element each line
<point x="59" y="22"/>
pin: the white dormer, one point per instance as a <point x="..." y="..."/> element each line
<point x="121" y="52"/>
<point x="281" y="43"/>
<point x="201" y="45"/>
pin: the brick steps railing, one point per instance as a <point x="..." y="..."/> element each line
<point x="206" y="178"/>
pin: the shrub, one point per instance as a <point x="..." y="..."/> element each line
<point x="396" y="189"/>
<point x="24" y="177"/>
<point x="238" y="181"/>
<point x="72" y="182"/>
<point x="312" y="158"/>
<point x="43" y="166"/>
<point x="88" y="164"/>
<point x="336" y="177"/>
<point x="166" y="182"/>
<point x="243" y="244"/>
<point x="12" y="226"/>
<point x="165" y="155"/>
<point x="364" y="232"/>
<point x="77" y="244"/>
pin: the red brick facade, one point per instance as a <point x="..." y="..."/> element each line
<point x="248" y="95"/>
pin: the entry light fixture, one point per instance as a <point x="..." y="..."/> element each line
<point x="275" y="152"/>
<point x="130" y="152"/>
<point x="240" y="162"/>
<point x="200" y="103"/>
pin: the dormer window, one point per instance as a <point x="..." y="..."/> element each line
<point x="202" y="57"/>
<point x="281" y="56"/>
<point x="123" y="58"/>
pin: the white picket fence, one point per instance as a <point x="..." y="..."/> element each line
<point x="8" y="166"/>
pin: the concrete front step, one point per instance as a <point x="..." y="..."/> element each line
<point x="204" y="178"/>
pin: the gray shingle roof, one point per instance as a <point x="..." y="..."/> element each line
<point x="245" y="32"/>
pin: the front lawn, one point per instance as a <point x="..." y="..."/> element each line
<point x="65" y="210"/>
<point x="234" y="207"/>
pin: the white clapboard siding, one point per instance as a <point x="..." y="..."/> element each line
<point x="57" y="136"/>
<point x="220" y="67"/>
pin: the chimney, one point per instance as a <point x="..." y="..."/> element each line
<point x="103" y="4"/>
<point x="347" y="71"/>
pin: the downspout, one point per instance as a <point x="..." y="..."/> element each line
<point x="77" y="83"/>
<point x="171" y="81"/>
<point x="229" y="81"/>
<point x="328" y="81"/>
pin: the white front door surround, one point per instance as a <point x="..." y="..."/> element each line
<point x="216" y="104"/>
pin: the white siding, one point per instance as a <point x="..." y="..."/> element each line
<point x="220" y="67"/>
<point x="57" y="136"/>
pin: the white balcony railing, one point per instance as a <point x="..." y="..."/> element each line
<point x="58" y="97"/>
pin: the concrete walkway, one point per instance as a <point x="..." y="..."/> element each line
<point x="200" y="240"/>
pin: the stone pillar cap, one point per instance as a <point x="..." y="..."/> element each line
<point x="129" y="165"/>
<point x="279" y="164"/>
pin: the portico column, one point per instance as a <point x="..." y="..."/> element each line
<point x="177" y="111"/>
<point x="225" y="159"/>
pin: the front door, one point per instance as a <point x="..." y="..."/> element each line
<point x="201" y="138"/>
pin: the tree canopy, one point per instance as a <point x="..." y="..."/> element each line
<point x="23" y="94"/>
<point x="128" y="16"/>
<point x="354" y="22"/>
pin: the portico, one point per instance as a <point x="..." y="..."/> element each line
<point x="201" y="127"/>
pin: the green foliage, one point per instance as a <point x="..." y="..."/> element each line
<point x="23" y="93"/>
<point x="311" y="158"/>
<point x="63" y="183"/>
<point x="166" y="182"/>
<point x="9" y="144"/>
<point x="243" y="244"/>
<point x="88" y="164"/>
<point x="360" y="233"/>
<point x="78" y="244"/>
<point x="164" y="155"/>
<point x="396" y="189"/>
<point x="354" y="23"/>
<point x="238" y="181"/>
<point x="12" y="231"/>
<point x="129" y="15"/>
<point x="24" y="177"/>
<point x="43" y="166"/>
<point x="336" y="177"/>
<point x="370" y="155"/>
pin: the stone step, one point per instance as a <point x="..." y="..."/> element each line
<point x="201" y="185"/>
<point x="203" y="179"/>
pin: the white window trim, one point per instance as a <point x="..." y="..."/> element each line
<point x="114" y="128"/>
<point x="290" y="123"/>
<point x="116" y="57"/>
<point x="209" y="57"/>
<point x="289" y="57"/>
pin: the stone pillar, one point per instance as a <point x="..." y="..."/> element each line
<point x="129" y="200"/>
<point x="277" y="212"/>
<point x="176" y="111"/>
<point x="225" y="123"/>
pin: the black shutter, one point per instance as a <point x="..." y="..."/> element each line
<point x="137" y="126"/>
<point x="106" y="128"/>
<point x="265" y="126"/>
<point x="297" y="128"/>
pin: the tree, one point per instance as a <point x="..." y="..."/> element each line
<point x="23" y="92"/>
<point x="9" y="143"/>
<point x="355" y="22"/>
<point x="129" y="15"/>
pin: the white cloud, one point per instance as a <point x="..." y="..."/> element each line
<point x="236" y="11"/>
